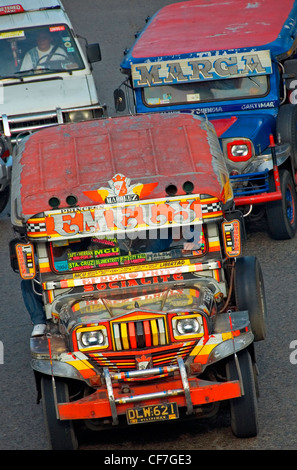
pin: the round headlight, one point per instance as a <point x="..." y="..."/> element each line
<point x="188" y="326"/>
<point x="92" y="338"/>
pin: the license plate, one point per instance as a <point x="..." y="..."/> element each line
<point x="147" y="414"/>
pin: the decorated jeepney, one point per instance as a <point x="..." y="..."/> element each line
<point x="127" y="231"/>
<point x="234" y="62"/>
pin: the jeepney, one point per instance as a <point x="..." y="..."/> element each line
<point x="152" y="310"/>
<point x="234" y="62"/>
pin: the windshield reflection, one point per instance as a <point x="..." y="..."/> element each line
<point x="195" y="92"/>
<point x="172" y="300"/>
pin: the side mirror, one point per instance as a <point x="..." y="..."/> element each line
<point x="119" y="100"/>
<point x="93" y="53"/>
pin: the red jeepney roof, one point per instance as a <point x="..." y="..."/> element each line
<point x="205" y="25"/>
<point x="73" y="159"/>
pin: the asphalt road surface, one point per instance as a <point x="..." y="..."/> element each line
<point x="113" y="24"/>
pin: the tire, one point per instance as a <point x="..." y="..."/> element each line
<point x="4" y="198"/>
<point x="281" y="215"/>
<point x="286" y="128"/>
<point x="250" y="293"/>
<point x="244" y="410"/>
<point x="61" y="434"/>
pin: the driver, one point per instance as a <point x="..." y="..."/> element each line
<point x="43" y="52"/>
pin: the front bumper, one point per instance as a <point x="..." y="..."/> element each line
<point x="185" y="392"/>
<point x="116" y="391"/>
<point x="254" y="187"/>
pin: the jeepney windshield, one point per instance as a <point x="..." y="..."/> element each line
<point x="132" y="249"/>
<point x="38" y="50"/>
<point x="166" y="299"/>
<point x="213" y="90"/>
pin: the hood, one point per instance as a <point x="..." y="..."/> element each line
<point x="41" y="94"/>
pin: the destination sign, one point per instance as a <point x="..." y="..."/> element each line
<point x="200" y="69"/>
<point x="123" y="218"/>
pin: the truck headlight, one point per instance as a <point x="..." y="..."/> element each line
<point x="77" y="116"/>
<point x="92" y="338"/>
<point x="187" y="326"/>
<point x="239" y="150"/>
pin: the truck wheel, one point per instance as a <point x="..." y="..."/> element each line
<point x="250" y="293"/>
<point x="286" y="128"/>
<point x="4" y="198"/>
<point x="61" y="434"/>
<point x="281" y="215"/>
<point x="244" y="410"/>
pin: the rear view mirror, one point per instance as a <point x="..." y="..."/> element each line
<point x="119" y="100"/>
<point x="93" y="53"/>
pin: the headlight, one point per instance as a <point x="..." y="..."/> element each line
<point x="82" y="115"/>
<point x="239" y="150"/>
<point x="186" y="327"/>
<point x="92" y="338"/>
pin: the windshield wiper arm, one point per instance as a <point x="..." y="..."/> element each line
<point x="4" y="77"/>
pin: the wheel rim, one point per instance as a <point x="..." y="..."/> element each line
<point x="290" y="209"/>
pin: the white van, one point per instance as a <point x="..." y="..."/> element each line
<point x="45" y="78"/>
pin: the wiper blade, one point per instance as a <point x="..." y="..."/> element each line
<point x="42" y="70"/>
<point x="5" y="77"/>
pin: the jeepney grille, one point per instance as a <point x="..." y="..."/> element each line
<point x="163" y="356"/>
<point x="139" y="334"/>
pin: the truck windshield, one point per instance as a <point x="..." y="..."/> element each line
<point x="38" y="50"/>
<point x="213" y="90"/>
<point x="149" y="246"/>
<point x="162" y="299"/>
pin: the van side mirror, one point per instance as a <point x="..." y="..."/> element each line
<point x="93" y="53"/>
<point x="119" y="100"/>
<point x="290" y="74"/>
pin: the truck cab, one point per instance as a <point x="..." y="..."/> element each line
<point x="238" y="70"/>
<point x="45" y="77"/>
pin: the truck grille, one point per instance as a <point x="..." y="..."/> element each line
<point x="139" y="334"/>
<point x="27" y="123"/>
<point x="163" y="356"/>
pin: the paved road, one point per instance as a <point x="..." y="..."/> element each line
<point x="113" y="23"/>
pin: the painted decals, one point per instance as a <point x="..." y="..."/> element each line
<point x="123" y="218"/>
<point x="119" y="218"/>
<point x="128" y="277"/>
<point x="120" y="190"/>
<point x="201" y="69"/>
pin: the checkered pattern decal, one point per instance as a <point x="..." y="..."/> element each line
<point x="36" y="227"/>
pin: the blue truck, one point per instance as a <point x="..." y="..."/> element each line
<point x="234" y="63"/>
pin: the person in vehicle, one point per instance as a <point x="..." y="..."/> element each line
<point x="43" y="53"/>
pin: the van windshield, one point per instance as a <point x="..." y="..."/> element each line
<point x="213" y="90"/>
<point x="38" y="50"/>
